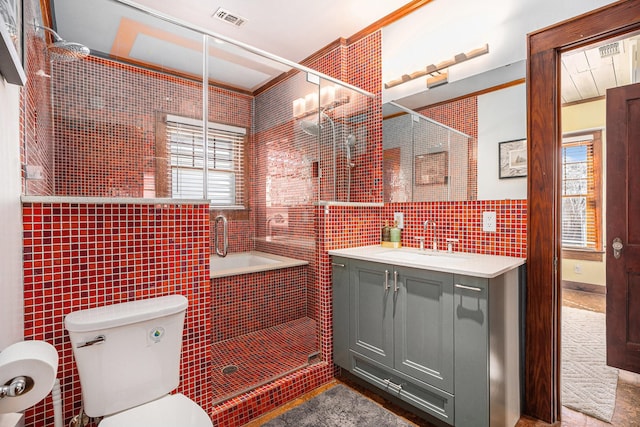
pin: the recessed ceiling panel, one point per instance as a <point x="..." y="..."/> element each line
<point x="166" y="55"/>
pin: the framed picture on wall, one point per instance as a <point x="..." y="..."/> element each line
<point x="432" y="168"/>
<point x="11" y="42"/>
<point x="512" y="158"/>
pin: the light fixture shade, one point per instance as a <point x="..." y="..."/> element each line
<point x="298" y="107"/>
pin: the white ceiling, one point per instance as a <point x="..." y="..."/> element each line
<point x="587" y="74"/>
<point x="290" y="29"/>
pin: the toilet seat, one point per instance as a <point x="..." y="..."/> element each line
<point x="173" y="410"/>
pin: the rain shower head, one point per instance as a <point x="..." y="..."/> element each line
<point x="313" y="128"/>
<point x="310" y="127"/>
<point x="63" y="51"/>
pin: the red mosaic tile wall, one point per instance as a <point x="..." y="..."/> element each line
<point x="463" y="221"/>
<point x="79" y="256"/>
<point x="251" y="302"/>
<point x="364" y="70"/>
<point x="461" y="115"/>
<point x="106" y="120"/>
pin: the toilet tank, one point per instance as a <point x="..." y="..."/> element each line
<point x="127" y="354"/>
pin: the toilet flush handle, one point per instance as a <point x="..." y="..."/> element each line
<point x="97" y="340"/>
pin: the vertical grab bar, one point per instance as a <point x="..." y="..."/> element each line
<point x="225" y="238"/>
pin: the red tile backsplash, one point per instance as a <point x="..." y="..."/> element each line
<point x="463" y="221"/>
<point x="79" y="256"/>
<point x="359" y="226"/>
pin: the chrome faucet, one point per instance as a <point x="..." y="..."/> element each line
<point x="435" y="240"/>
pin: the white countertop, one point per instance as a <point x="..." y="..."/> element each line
<point x="487" y="266"/>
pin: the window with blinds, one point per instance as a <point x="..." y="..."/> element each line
<point x="581" y="188"/>
<point x="225" y="154"/>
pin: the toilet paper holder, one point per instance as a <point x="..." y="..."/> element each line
<point x="16" y="387"/>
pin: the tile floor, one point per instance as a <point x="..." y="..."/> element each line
<point x="243" y="363"/>
<point x="627" y="411"/>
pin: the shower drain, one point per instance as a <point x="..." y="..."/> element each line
<point x="229" y="369"/>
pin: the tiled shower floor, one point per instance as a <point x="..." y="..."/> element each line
<point x="261" y="357"/>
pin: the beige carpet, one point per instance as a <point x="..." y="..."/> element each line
<point x="588" y="384"/>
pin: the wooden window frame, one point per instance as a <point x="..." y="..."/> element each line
<point x="594" y="195"/>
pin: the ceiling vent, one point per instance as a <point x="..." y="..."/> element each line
<point x="609" y="49"/>
<point x="230" y="18"/>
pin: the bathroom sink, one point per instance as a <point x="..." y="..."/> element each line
<point x="423" y="256"/>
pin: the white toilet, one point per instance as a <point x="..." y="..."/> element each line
<point x="128" y="359"/>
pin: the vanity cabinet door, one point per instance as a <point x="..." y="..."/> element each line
<point x="424" y="326"/>
<point x="340" y="299"/>
<point x="471" y="351"/>
<point x="371" y="307"/>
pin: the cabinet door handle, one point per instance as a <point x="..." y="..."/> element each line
<point x="391" y="384"/>
<point x="386" y="280"/>
<point x="469" y="288"/>
<point x="335" y="264"/>
<point x="395" y="281"/>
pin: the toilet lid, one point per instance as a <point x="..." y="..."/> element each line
<point x="174" y="410"/>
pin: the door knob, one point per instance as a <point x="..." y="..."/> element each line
<point x="617" y="247"/>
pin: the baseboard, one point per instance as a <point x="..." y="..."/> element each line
<point x="584" y="287"/>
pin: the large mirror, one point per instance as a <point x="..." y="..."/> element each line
<point x="423" y="160"/>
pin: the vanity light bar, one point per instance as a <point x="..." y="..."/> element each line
<point x="437" y="68"/>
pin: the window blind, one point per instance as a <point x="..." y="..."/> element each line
<point x="225" y="169"/>
<point x="579" y="209"/>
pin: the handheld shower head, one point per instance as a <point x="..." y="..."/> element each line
<point x="63" y="51"/>
<point x="349" y="144"/>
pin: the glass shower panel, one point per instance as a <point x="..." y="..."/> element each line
<point x="282" y="167"/>
<point x="424" y="160"/>
<point x="459" y="166"/>
<point x="286" y="134"/>
<point x="397" y="156"/>
<point x="343" y="157"/>
<point x="117" y="127"/>
<point x="431" y="162"/>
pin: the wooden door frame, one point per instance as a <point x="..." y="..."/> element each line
<point x="542" y="357"/>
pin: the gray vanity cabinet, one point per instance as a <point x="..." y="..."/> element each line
<point x="340" y="299"/>
<point x="401" y="333"/>
<point x="472" y="349"/>
<point x="403" y="317"/>
<point x="446" y="343"/>
<point x="487" y="356"/>
<point x="423" y="327"/>
<point x="371" y="309"/>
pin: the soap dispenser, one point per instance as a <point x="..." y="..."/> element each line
<point x="386" y="232"/>
<point x="394" y="233"/>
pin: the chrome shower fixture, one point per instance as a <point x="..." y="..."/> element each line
<point x="313" y="128"/>
<point x="310" y="127"/>
<point x="63" y="51"/>
<point x="350" y="144"/>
